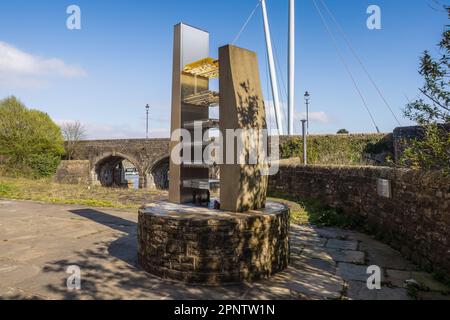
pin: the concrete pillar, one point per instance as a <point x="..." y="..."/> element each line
<point x="243" y="187"/>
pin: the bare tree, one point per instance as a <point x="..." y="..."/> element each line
<point x="73" y="133"/>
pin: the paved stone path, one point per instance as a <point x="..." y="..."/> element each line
<point x="39" y="241"/>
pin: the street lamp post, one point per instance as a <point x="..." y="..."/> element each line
<point x="307" y="99"/>
<point x="305" y="147"/>
<point x="147" y="108"/>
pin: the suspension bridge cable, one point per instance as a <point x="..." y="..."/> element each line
<point x="283" y="82"/>
<point x="268" y="94"/>
<point x="280" y="74"/>
<point x="406" y="97"/>
<point x="284" y="92"/>
<point x="280" y="71"/>
<point x="345" y="64"/>
<point x="246" y="23"/>
<point x="355" y="54"/>
<point x="409" y="100"/>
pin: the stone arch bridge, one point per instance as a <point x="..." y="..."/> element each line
<point x="150" y="157"/>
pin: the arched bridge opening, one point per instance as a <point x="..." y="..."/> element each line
<point x="117" y="171"/>
<point x="158" y="175"/>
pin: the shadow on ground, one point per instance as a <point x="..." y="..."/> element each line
<point x="326" y="263"/>
<point x="110" y="270"/>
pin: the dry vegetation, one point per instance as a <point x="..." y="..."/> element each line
<point x="47" y="191"/>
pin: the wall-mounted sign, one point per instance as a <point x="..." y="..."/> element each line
<point x="384" y="188"/>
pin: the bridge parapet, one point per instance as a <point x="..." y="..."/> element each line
<point x="149" y="156"/>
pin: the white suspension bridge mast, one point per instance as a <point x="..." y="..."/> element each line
<point x="272" y="69"/>
<point x="291" y="68"/>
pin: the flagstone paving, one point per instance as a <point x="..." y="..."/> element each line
<point x="39" y="241"/>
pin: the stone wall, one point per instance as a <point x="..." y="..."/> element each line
<point x="415" y="219"/>
<point x="73" y="172"/>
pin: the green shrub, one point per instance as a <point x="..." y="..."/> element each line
<point x="335" y="149"/>
<point x="325" y="216"/>
<point x="30" y="142"/>
<point x="430" y="153"/>
<point x="442" y="278"/>
<point x="43" y="165"/>
<point x="315" y="212"/>
<point x="432" y="110"/>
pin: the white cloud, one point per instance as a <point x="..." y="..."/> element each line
<point x="319" y="117"/>
<point x="19" y="67"/>
<point x="314" y="117"/>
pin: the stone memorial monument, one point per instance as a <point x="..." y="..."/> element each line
<point x="239" y="236"/>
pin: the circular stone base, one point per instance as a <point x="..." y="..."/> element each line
<point x="206" y="246"/>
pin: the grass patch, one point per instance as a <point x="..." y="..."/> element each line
<point x="326" y="216"/>
<point x="45" y="190"/>
<point x="299" y="215"/>
<point x="6" y="189"/>
<point x="311" y="211"/>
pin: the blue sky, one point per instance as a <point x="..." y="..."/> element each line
<point x="104" y="74"/>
